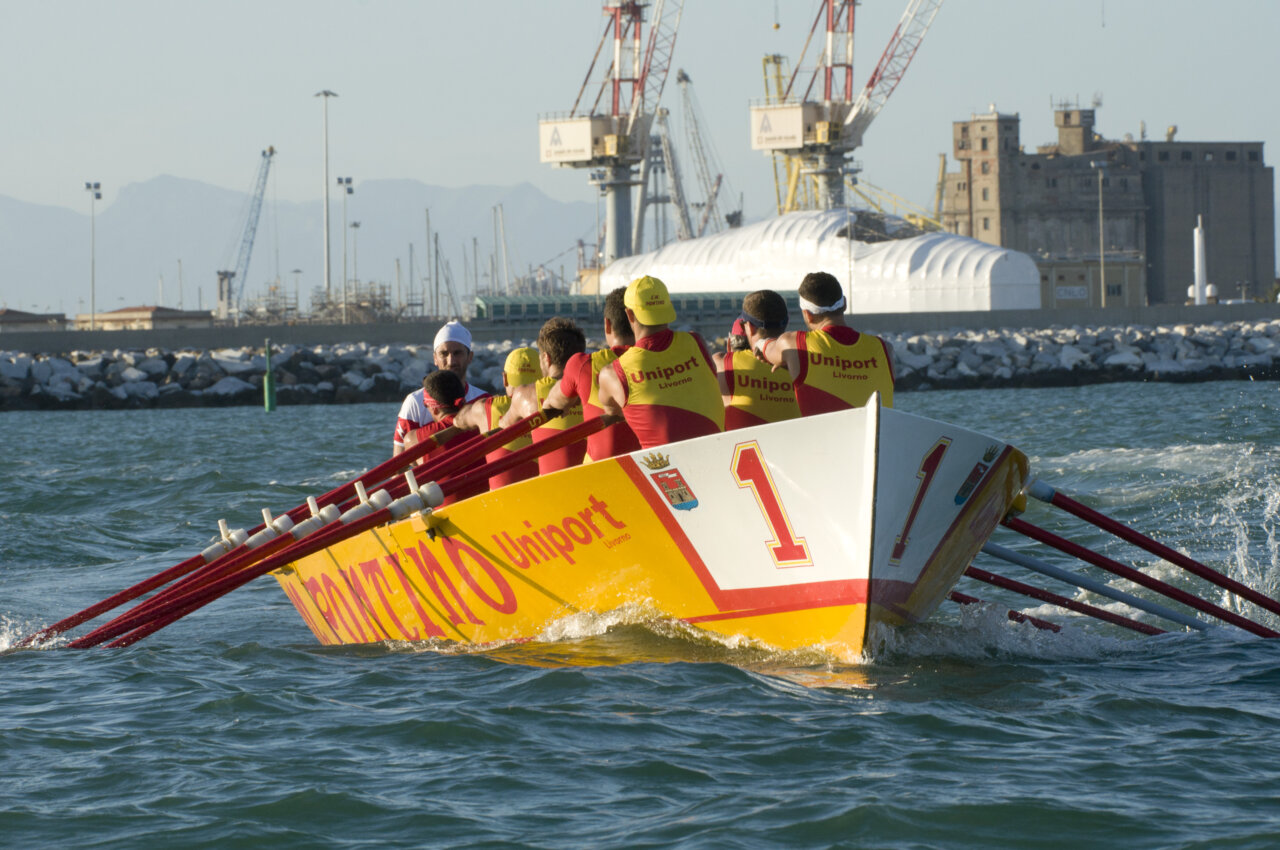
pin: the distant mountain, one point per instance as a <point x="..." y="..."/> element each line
<point x="142" y="235"/>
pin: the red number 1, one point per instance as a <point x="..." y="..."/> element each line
<point x="928" y="468"/>
<point x="786" y="549"/>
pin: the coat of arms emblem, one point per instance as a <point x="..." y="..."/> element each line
<point x="670" y="482"/>
<point x="975" y="475"/>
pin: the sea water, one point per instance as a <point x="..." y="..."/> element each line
<point x="234" y="728"/>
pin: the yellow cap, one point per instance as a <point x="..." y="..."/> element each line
<point x="648" y="298"/>
<point x="522" y="367"/>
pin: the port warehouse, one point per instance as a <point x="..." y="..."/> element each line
<point x="712" y="316"/>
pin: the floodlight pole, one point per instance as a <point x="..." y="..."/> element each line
<point x="328" y="278"/>
<point x="1101" y="168"/>
<point x="95" y="195"/>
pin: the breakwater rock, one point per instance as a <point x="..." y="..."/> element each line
<point x="318" y="374"/>
<point x="357" y="373"/>
<point x="1069" y="356"/>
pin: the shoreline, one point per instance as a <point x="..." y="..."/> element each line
<point x="361" y="373"/>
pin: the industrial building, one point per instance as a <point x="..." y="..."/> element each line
<point x="914" y="273"/>
<point x="1139" y="199"/>
<point x="20" y="321"/>
<point x="144" y="318"/>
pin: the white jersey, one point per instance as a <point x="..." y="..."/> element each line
<point x="415" y="414"/>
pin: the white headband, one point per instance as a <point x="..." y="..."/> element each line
<point x="814" y="308"/>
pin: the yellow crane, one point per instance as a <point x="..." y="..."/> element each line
<point x="824" y="122"/>
<point x="798" y="195"/>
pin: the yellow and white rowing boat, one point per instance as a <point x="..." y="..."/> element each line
<point x="803" y="533"/>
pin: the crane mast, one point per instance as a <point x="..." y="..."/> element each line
<point x="611" y="136"/>
<point x="822" y="133"/>
<point x="710" y="174"/>
<point x="231" y="293"/>
<point x="684" y="230"/>
<point x="893" y="64"/>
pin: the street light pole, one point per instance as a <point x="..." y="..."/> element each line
<point x="297" y="302"/>
<point x="95" y="195"/>
<point x="1101" y="168"/>
<point x="328" y="278"/>
<point x="344" y="182"/>
<point x="355" y="254"/>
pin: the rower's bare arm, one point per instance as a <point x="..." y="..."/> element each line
<point x="557" y="399"/>
<point x="612" y="397"/>
<point x="524" y="402"/>
<point x="720" y="377"/>
<point x="780" y="352"/>
<point x="472" y="417"/>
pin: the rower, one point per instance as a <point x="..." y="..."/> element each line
<point x="754" y="393"/>
<point x="832" y="366"/>
<point x="581" y="382"/>
<point x="664" y="385"/>
<point x="443" y="392"/>
<point x="452" y="351"/>
<point x="520" y="369"/>
<point x="559" y="339"/>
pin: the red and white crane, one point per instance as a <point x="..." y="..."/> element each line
<point x="610" y="135"/>
<point x="822" y="132"/>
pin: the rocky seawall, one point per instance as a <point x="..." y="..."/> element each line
<point x="359" y="373"/>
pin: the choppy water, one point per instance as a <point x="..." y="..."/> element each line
<point x="234" y="729"/>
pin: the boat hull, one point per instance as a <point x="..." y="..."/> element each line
<point x="789" y="534"/>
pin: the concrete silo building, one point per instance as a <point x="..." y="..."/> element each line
<point x="1141" y="197"/>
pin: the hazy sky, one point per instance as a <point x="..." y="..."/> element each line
<point x="449" y="92"/>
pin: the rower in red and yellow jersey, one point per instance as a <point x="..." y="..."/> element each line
<point x="832" y="366"/>
<point x="754" y="392"/>
<point x="558" y="340"/>
<point x="664" y="385"/>
<point x="444" y="393"/>
<point x="520" y="369"/>
<point x="581" y="383"/>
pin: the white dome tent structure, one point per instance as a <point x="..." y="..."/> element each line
<point x="887" y="273"/>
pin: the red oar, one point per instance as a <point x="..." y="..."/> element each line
<point x="1137" y="576"/>
<point x="469" y="478"/>
<point x="241" y="559"/>
<point x="143" y="621"/>
<point x="134" y="629"/>
<point x="1039" y="490"/>
<point x="231" y="545"/>
<point x="1015" y="616"/>
<point x="237" y="556"/>
<point x="1061" y="601"/>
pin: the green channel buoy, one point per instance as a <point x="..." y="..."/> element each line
<point x="268" y="384"/>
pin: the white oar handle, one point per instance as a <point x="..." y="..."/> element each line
<point x="227" y="541"/>
<point x="271" y="529"/>
<point x="1037" y="489"/>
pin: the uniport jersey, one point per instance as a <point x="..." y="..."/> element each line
<point x="567" y="456"/>
<point x="841" y="368"/>
<point x="414" y="413"/>
<point x="494" y="408"/>
<point x="758" y="393"/>
<point x="581" y="380"/>
<point x="671" y="389"/>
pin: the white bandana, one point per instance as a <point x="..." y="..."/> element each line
<point x="814" y="308"/>
<point x="453" y="331"/>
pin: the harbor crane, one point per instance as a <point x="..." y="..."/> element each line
<point x="790" y="192"/>
<point x="711" y="176"/>
<point x="231" y="282"/>
<point x="823" y="128"/>
<point x="610" y="134"/>
<point x="684" y="225"/>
